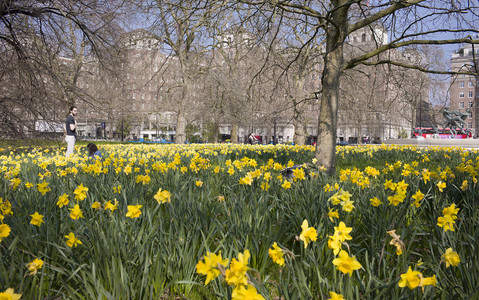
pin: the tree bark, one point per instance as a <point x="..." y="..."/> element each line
<point x="234" y="132"/>
<point x="333" y="65"/>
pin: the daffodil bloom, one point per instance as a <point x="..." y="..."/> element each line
<point x="96" y="205"/>
<point x="43" y="187"/>
<point x="134" y="211"/>
<point x="335" y="296"/>
<point x="112" y="207"/>
<point x="37" y="219"/>
<point x="265" y="186"/>
<point x="464" y="185"/>
<point x="347" y="205"/>
<point x="343" y="232"/>
<point x="417" y="198"/>
<point x="447" y="222"/>
<point x="80" y="192"/>
<point x="334" y="243"/>
<point x="276" y="254"/>
<point x="308" y="234"/>
<point x="247" y="292"/>
<point x="375" y="202"/>
<point x="451" y="210"/>
<point x="247" y="180"/>
<point x="75" y="212"/>
<point x="221" y="198"/>
<point x="451" y="258"/>
<point x="389" y="185"/>
<point x="335" y="199"/>
<point x="14" y="183"/>
<point x="236" y="273"/>
<point x="411" y="279"/>
<point x="286" y="185"/>
<point x="34" y="266"/>
<point x="333" y="214"/>
<point x="210" y="266"/>
<point x="10" y="295"/>
<point x="199" y="183"/>
<point x="72" y="240"/>
<point x="4" y="231"/>
<point x="441" y="186"/>
<point x="345" y="263"/>
<point x="427" y="281"/>
<point x="397" y="198"/>
<point x="162" y="196"/>
<point x="63" y="200"/>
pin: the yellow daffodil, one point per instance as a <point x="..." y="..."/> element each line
<point x="75" y="212"/>
<point x="34" y="266"/>
<point x="210" y="266"/>
<point x="236" y="273"/>
<point x="308" y="234"/>
<point x="265" y="186"/>
<point x="63" y="200"/>
<point x="286" y="185"/>
<point x="4" y="231"/>
<point x="334" y="243"/>
<point x="333" y="214"/>
<point x="37" y="219"/>
<point x="247" y="292"/>
<point x="417" y="198"/>
<point x="276" y="254"/>
<point x="43" y="187"/>
<point x="345" y="263"/>
<point x="199" y="183"/>
<point x="80" y="192"/>
<point x="375" y="202"/>
<point x="441" y="186"/>
<point x="451" y="258"/>
<point x="342" y="231"/>
<point x="111" y="206"/>
<point x="96" y="205"/>
<point x="134" y="211"/>
<point x="411" y="279"/>
<point x="9" y="294"/>
<point x="162" y="196"/>
<point x="334" y="296"/>
<point x="72" y="240"/>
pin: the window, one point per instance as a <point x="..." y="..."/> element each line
<point x="469" y="125"/>
<point x="470" y="103"/>
<point x="470" y="94"/>
<point x="363" y="37"/>
<point x="461" y="84"/>
<point x="471" y="84"/>
<point x="461" y="105"/>
<point x="469" y="114"/>
<point x="461" y="95"/>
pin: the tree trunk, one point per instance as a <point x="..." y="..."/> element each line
<point x="180" y="136"/>
<point x="234" y="132"/>
<point x="299" y="131"/>
<point x="333" y="63"/>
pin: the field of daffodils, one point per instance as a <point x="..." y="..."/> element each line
<point x="232" y="222"/>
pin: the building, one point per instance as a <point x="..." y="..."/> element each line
<point x="463" y="92"/>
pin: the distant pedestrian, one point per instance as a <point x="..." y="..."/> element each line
<point x="93" y="150"/>
<point x="252" y="139"/>
<point x="70" y="129"/>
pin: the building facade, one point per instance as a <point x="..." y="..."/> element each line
<point x="464" y="88"/>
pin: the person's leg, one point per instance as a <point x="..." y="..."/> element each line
<point x="70" y="139"/>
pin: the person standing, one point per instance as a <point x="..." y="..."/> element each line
<point x="71" y="130"/>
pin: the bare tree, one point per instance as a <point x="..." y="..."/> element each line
<point x="411" y="22"/>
